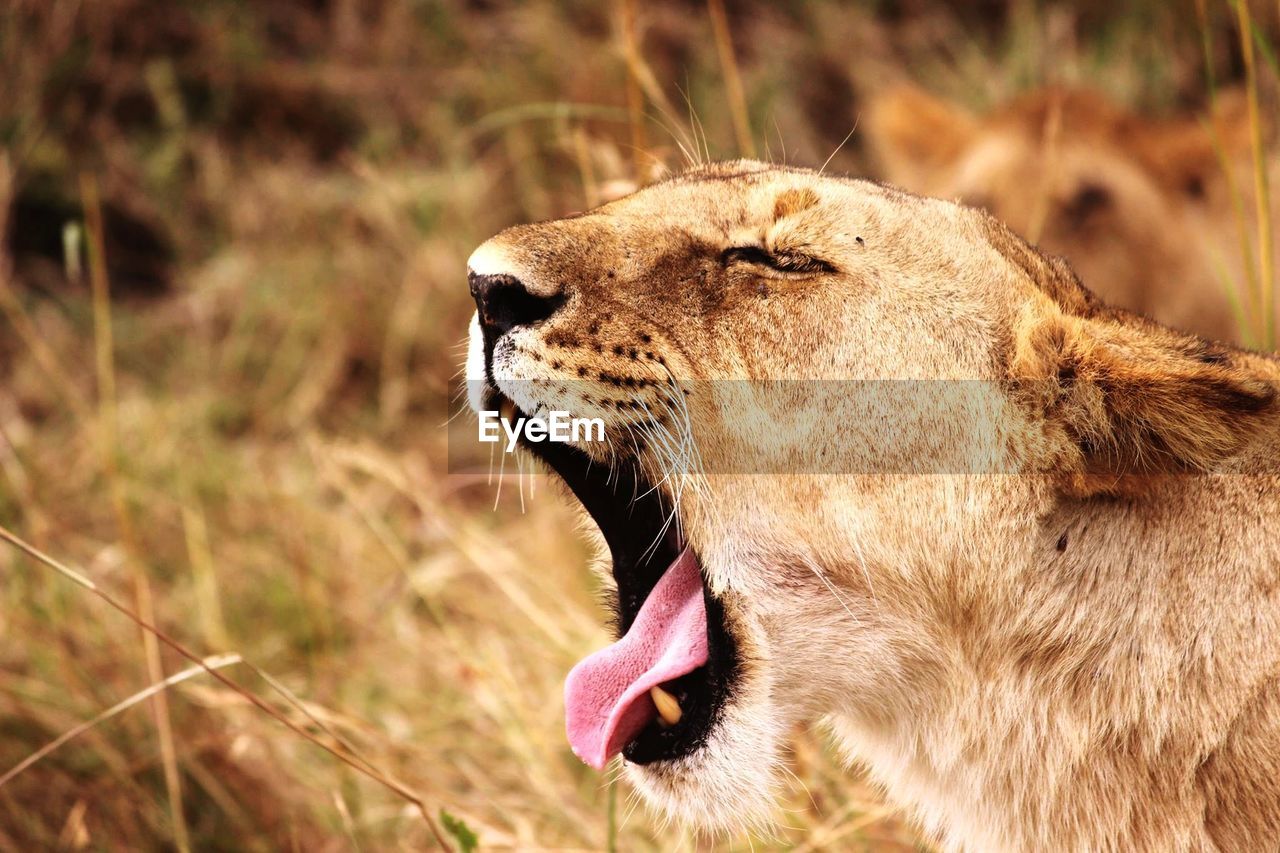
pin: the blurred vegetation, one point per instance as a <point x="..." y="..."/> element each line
<point x="287" y="193"/>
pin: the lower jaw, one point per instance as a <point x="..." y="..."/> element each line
<point x="727" y="787"/>
<point x="703" y="694"/>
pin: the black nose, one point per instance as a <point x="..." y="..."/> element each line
<point x="504" y="302"/>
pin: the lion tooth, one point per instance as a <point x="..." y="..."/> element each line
<point x="669" y="712"/>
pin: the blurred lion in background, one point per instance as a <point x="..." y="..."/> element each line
<point x="1142" y="208"/>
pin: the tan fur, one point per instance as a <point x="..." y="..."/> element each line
<point x="1140" y="207"/>
<point x="1077" y="648"/>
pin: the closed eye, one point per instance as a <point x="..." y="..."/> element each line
<point x="781" y="261"/>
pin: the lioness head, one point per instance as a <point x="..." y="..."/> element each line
<point x="786" y="549"/>
<point x="1139" y="207"/>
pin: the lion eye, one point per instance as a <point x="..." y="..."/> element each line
<point x="787" y="262"/>
<point x="1194" y="187"/>
<point x="1088" y="200"/>
<point x="747" y="255"/>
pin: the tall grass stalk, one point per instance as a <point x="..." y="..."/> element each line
<point x="1253" y="329"/>
<point x="104" y="351"/>
<point x="732" y="78"/>
<point x="635" y="95"/>
<point x="1262" y="189"/>
<point x="643" y="87"/>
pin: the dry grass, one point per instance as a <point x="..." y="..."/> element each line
<point x="257" y="462"/>
<point x="1266" y="284"/>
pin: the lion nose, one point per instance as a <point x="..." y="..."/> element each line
<point x="505" y="303"/>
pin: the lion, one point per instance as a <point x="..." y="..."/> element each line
<point x="1140" y="207"/>
<point x="875" y="461"/>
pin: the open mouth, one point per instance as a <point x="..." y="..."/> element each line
<point x="655" y="694"/>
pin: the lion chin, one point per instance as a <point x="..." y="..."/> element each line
<point x="728" y="785"/>
<point x="871" y="459"/>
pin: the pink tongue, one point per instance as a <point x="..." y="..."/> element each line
<point x="606" y="695"/>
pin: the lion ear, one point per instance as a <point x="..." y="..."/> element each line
<point x="916" y="136"/>
<point x="1187" y="155"/>
<point x="1130" y="399"/>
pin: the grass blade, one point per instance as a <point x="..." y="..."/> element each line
<point x="208" y="664"/>
<point x="337" y="750"/>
